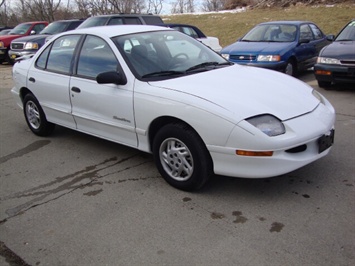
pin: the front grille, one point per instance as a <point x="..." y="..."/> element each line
<point x="348" y="62"/>
<point x="242" y="57"/>
<point x="297" y="149"/>
<point x="16" y="46"/>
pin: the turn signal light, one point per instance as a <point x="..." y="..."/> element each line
<point x="323" y="72"/>
<point x="254" y="153"/>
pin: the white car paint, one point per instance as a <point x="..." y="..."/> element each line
<point x="212" y="42"/>
<point x="214" y="103"/>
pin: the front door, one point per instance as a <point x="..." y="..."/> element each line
<point x="104" y="110"/>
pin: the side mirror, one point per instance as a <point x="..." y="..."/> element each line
<point x="32" y="32"/>
<point x="303" y="41"/>
<point x="111" y="77"/>
<point x="331" y="37"/>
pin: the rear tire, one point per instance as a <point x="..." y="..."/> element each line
<point x="35" y="117"/>
<point x="182" y="157"/>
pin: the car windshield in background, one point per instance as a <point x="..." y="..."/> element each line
<point x="348" y="33"/>
<point x="20" y="29"/>
<point x="93" y="22"/>
<point x="272" y="33"/>
<point x="53" y="28"/>
<point x="167" y="54"/>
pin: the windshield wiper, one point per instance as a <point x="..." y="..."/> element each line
<point x="203" y="66"/>
<point x="163" y="73"/>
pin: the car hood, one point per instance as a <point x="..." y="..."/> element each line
<point x="32" y="38"/>
<point x="257" y="47"/>
<point x="239" y="92"/>
<point x="340" y="50"/>
<point x="9" y="37"/>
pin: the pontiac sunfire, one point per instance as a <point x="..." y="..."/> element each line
<point x="163" y="92"/>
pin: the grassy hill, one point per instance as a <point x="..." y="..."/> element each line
<point x="230" y="26"/>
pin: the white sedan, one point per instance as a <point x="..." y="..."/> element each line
<point x="162" y="92"/>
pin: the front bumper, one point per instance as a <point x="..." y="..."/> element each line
<point x="16" y="54"/>
<point x="3" y="53"/>
<point x="308" y="138"/>
<point x="334" y="73"/>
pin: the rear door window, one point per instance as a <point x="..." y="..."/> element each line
<point x="61" y="54"/>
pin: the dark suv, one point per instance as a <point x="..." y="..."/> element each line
<point x="31" y="44"/>
<point x="121" y="19"/>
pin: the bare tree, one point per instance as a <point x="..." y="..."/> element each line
<point x="38" y="9"/>
<point x="155" y="6"/>
<point x="212" y="5"/>
<point x="183" y="6"/>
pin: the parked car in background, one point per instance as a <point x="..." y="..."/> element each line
<point x="196" y="33"/>
<point x="336" y="62"/>
<point x="23" y="29"/>
<point x="5" y="32"/>
<point x="160" y="91"/>
<point x="286" y="46"/>
<point x="29" y="45"/>
<point x="121" y="19"/>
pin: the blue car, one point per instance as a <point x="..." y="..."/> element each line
<point x="286" y="46"/>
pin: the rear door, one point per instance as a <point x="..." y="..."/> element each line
<point x="49" y="79"/>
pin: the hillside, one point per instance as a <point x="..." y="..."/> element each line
<point x="229" y="26"/>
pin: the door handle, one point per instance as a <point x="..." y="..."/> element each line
<point x="32" y="80"/>
<point x="75" y="89"/>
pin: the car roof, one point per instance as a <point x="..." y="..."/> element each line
<point x="125" y="15"/>
<point x="69" y="20"/>
<point x="291" y="22"/>
<point x="33" y="22"/>
<point x="114" y="30"/>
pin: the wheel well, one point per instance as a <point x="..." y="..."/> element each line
<point x="293" y="59"/>
<point x="23" y="92"/>
<point x="162" y="121"/>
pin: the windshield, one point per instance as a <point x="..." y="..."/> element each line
<point x="166" y="54"/>
<point x="53" y="28"/>
<point x="271" y="33"/>
<point x="20" y="29"/>
<point x="348" y="33"/>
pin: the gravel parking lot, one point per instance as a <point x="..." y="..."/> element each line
<point x="73" y="199"/>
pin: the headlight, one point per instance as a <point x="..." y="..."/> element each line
<point x="269" y="58"/>
<point x="326" y="60"/>
<point x="31" y="45"/>
<point x="226" y="56"/>
<point x="318" y="96"/>
<point x="1" y="44"/>
<point x="268" y="124"/>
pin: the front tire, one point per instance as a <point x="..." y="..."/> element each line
<point x="291" y="68"/>
<point x="324" y="84"/>
<point x="35" y="117"/>
<point x="182" y="157"/>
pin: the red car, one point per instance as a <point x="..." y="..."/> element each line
<point x="23" y="29"/>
